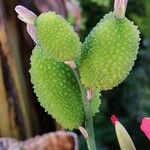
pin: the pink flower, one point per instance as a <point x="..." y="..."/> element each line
<point x="145" y="126"/>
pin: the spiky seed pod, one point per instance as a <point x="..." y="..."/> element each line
<point x="57" y="37"/>
<point x="57" y="90"/>
<point x="109" y="52"/>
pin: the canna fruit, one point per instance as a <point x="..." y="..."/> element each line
<point x="58" y="91"/>
<point x="109" y="52"/>
<point x="57" y="37"/>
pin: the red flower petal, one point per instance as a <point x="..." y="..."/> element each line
<point x="114" y="119"/>
<point x="145" y="126"/>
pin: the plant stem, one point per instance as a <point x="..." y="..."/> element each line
<point x="88" y="114"/>
<point x="89" y="127"/>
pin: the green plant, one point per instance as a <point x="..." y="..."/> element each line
<point x="107" y="56"/>
<point x="101" y="2"/>
<point x="57" y="37"/>
<point x="108" y="53"/>
<point x="58" y="90"/>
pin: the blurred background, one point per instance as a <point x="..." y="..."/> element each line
<point x="21" y="116"/>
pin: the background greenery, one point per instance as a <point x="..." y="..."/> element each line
<point x="130" y="101"/>
<point x="21" y="115"/>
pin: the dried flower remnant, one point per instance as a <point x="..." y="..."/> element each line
<point x="29" y="18"/>
<point x="25" y="15"/>
<point x="120" y="8"/>
<point x="90" y="94"/>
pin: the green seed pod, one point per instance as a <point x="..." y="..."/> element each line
<point x="57" y="90"/>
<point x="57" y="37"/>
<point x="109" y="52"/>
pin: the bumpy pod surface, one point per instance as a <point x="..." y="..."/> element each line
<point x="57" y="37"/>
<point x="57" y="90"/>
<point x="109" y="52"/>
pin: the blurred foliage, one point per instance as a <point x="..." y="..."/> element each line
<point x="92" y="12"/>
<point x="101" y="2"/>
<point x="142" y="18"/>
<point x="131" y="99"/>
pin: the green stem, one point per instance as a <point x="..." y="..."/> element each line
<point x="89" y="127"/>
<point x="88" y="114"/>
